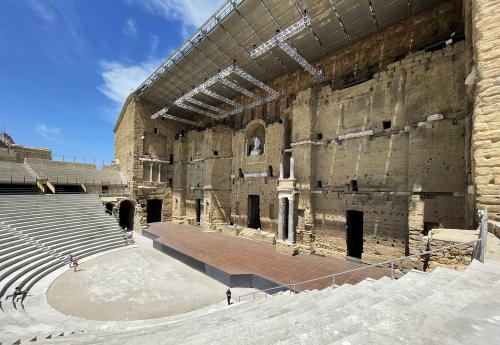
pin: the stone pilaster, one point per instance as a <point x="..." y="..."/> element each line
<point x="291" y="219"/>
<point x="281" y="219"/>
<point x="486" y="118"/>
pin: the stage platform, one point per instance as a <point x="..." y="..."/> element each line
<point x="239" y="262"/>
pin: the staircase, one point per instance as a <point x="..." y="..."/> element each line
<point x="443" y="307"/>
<point x="37" y="232"/>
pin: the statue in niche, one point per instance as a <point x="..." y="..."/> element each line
<point x="256" y="150"/>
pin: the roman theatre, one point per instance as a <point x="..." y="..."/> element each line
<point x="335" y="163"/>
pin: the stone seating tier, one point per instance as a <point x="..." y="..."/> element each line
<point x="38" y="231"/>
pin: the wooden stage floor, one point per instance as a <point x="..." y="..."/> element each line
<point x="235" y="255"/>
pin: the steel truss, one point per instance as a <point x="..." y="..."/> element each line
<point x="203" y="105"/>
<point x="220" y="98"/>
<point x="222" y="77"/>
<point x="163" y="113"/>
<point x="280" y="41"/>
<point x="252" y="105"/>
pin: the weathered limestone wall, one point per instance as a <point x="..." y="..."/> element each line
<point x="202" y="166"/>
<point x="127" y="139"/>
<point x="137" y="136"/>
<point x="411" y="156"/>
<point x="17" y="153"/>
<point x="486" y="120"/>
<point x="260" y="173"/>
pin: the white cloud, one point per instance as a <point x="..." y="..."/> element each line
<point x="191" y="13"/>
<point x="42" y="9"/>
<point x="50" y="133"/>
<point x="120" y="79"/>
<point x="130" y="29"/>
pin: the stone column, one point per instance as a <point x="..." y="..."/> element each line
<point x="281" y="171"/>
<point x="291" y="225"/>
<point x="159" y="172"/>
<point x="486" y="118"/>
<point x="150" y="171"/>
<point x="281" y="218"/>
<point x="292" y="174"/>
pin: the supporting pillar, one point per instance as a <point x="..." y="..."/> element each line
<point x="486" y="118"/>
<point x="159" y="172"/>
<point x="281" y="171"/>
<point x="291" y="225"/>
<point x="281" y="218"/>
<point x="150" y="171"/>
<point x="292" y="173"/>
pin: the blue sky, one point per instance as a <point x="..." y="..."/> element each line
<point x="66" y="66"/>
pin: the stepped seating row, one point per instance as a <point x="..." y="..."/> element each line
<point x="445" y="306"/>
<point x="37" y="232"/>
<point x="15" y="172"/>
<point x="18" y="188"/>
<point x="67" y="173"/>
<point x="68" y="189"/>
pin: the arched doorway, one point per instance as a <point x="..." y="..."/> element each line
<point x="126" y="215"/>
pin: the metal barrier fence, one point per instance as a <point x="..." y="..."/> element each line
<point x="478" y="253"/>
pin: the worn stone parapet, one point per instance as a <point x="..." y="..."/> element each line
<point x="457" y="258"/>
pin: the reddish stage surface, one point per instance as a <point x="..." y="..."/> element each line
<point x="236" y="255"/>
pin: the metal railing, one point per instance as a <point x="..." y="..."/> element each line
<point x="89" y="182"/>
<point x="478" y="253"/>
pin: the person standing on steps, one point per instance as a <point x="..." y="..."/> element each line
<point x="75" y="264"/>
<point x="70" y="260"/>
<point x="228" y="295"/>
<point x="19" y="292"/>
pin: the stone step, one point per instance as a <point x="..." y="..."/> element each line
<point x="57" y="220"/>
<point x="42" y="231"/>
<point x="14" y="253"/>
<point x="322" y="324"/>
<point x="6" y="252"/>
<point x="441" y="319"/>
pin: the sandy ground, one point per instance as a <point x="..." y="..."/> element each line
<point x="139" y="283"/>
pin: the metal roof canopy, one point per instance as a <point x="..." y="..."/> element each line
<point x="241" y="25"/>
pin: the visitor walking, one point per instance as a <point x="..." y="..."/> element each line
<point x="69" y="258"/>
<point x="75" y="264"/>
<point x="228" y="295"/>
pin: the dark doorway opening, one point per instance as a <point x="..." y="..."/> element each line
<point x="154" y="210"/>
<point x="354" y="234"/>
<point x="354" y="185"/>
<point x="253" y="211"/>
<point x="126" y="215"/>
<point x="109" y="208"/>
<point x="198" y="211"/>
<point x="285" y="220"/>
